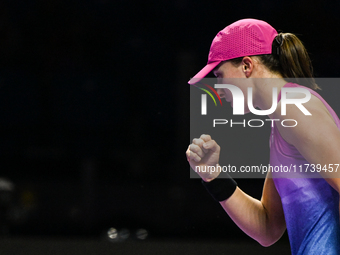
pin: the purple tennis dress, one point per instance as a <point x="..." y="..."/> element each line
<point x="310" y="205"/>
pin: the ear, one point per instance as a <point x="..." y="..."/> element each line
<point x="247" y="66"/>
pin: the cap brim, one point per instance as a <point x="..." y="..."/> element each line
<point x="201" y="74"/>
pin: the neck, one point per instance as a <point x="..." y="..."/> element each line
<point x="263" y="91"/>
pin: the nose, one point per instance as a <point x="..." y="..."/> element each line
<point x="221" y="93"/>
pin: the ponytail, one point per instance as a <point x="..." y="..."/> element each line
<point x="294" y="61"/>
<point x="290" y="59"/>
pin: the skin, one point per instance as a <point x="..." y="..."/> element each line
<point x="316" y="137"/>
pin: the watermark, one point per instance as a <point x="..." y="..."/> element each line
<point x="265" y="169"/>
<point x="246" y="134"/>
<point x="255" y="122"/>
<point x="238" y="100"/>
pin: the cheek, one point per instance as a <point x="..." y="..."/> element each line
<point x="246" y="108"/>
<point x="227" y="95"/>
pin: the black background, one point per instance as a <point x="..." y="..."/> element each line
<point x="95" y="110"/>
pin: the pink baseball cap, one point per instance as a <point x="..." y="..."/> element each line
<point x="246" y="37"/>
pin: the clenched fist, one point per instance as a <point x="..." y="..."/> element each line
<point x="203" y="154"/>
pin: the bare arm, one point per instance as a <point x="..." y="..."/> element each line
<point x="262" y="220"/>
<point x="316" y="137"/>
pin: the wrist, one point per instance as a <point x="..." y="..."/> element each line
<point x="209" y="173"/>
<point x="208" y="179"/>
<point x="220" y="188"/>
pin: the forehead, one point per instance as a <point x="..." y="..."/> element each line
<point x="220" y="66"/>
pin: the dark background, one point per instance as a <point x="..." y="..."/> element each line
<point x="95" y="111"/>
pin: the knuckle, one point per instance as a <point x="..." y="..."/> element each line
<point x="200" y="153"/>
<point x="205" y="137"/>
<point x="195" y="139"/>
<point x="199" y="141"/>
<point x="193" y="147"/>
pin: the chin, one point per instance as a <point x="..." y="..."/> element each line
<point x="246" y="111"/>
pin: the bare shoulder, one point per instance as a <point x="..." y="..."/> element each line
<point x="314" y="104"/>
<point x="315" y="136"/>
<point x="307" y="126"/>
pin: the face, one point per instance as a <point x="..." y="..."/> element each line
<point x="227" y="73"/>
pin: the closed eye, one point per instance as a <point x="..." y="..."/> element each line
<point x="217" y="75"/>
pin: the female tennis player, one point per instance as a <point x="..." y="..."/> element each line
<point x="308" y="207"/>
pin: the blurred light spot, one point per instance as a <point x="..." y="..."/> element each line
<point x="112" y="233"/>
<point x="142" y="234"/>
<point x="124" y="234"/>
